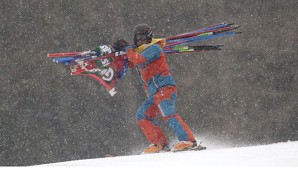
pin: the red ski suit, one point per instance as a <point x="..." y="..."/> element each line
<point x="150" y="63"/>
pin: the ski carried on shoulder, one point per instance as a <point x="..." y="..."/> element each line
<point x="184" y="48"/>
<point x="106" y="65"/>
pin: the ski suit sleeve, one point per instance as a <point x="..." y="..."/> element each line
<point x="147" y="56"/>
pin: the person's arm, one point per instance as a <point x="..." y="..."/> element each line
<point x="150" y="54"/>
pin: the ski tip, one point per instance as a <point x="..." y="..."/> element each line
<point x="236" y="26"/>
<point x="112" y="92"/>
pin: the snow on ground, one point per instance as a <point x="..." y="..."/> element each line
<point x="280" y="154"/>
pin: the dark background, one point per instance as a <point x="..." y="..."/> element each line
<point x="244" y="95"/>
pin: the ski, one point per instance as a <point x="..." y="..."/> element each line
<point x="106" y="66"/>
<point x="170" y="50"/>
<point x="220" y="30"/>
<point x="200" y="37"/>
<point x="71" y="54"/>
<point x="68" y="60"/>
<point x="183" y="49"/>
<point x="216" y="28"/>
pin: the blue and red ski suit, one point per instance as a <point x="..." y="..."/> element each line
<point x="150" y="63"/>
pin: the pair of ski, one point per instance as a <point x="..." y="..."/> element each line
<point x="107" y="68"/>
<point x="70" y="58"/>
<point x="174" y="44"/>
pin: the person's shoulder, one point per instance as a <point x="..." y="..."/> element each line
<point x="154" y="47"/>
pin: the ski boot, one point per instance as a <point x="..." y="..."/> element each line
<point x="156" y="148"/>
<point x="188" y="145"/>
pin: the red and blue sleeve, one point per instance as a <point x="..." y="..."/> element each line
<point x="147" y="56"/>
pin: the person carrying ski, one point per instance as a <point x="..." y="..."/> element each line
<point x="152" y="68"/>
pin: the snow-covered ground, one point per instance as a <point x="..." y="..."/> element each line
<point x="279" y="154"/>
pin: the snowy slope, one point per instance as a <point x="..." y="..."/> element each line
<point x="280" y="154"/>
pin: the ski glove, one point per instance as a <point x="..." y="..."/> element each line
<point x="129" y="47"/>
<point x="102" y="50"/>
<point x="120" y="44"/>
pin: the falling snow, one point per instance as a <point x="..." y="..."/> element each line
<point x="245" y="94"/>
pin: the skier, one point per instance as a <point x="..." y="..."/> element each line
<point x="150" y="63"/>
<point x="148" y="58"/>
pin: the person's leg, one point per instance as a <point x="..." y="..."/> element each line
<point x="166" y="99"/>
<point x="150" y="129"/>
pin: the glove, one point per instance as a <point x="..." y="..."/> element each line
<point x="120" y="44"/>
<point x="102" y="50"/>
<point x="129" y="47"/>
